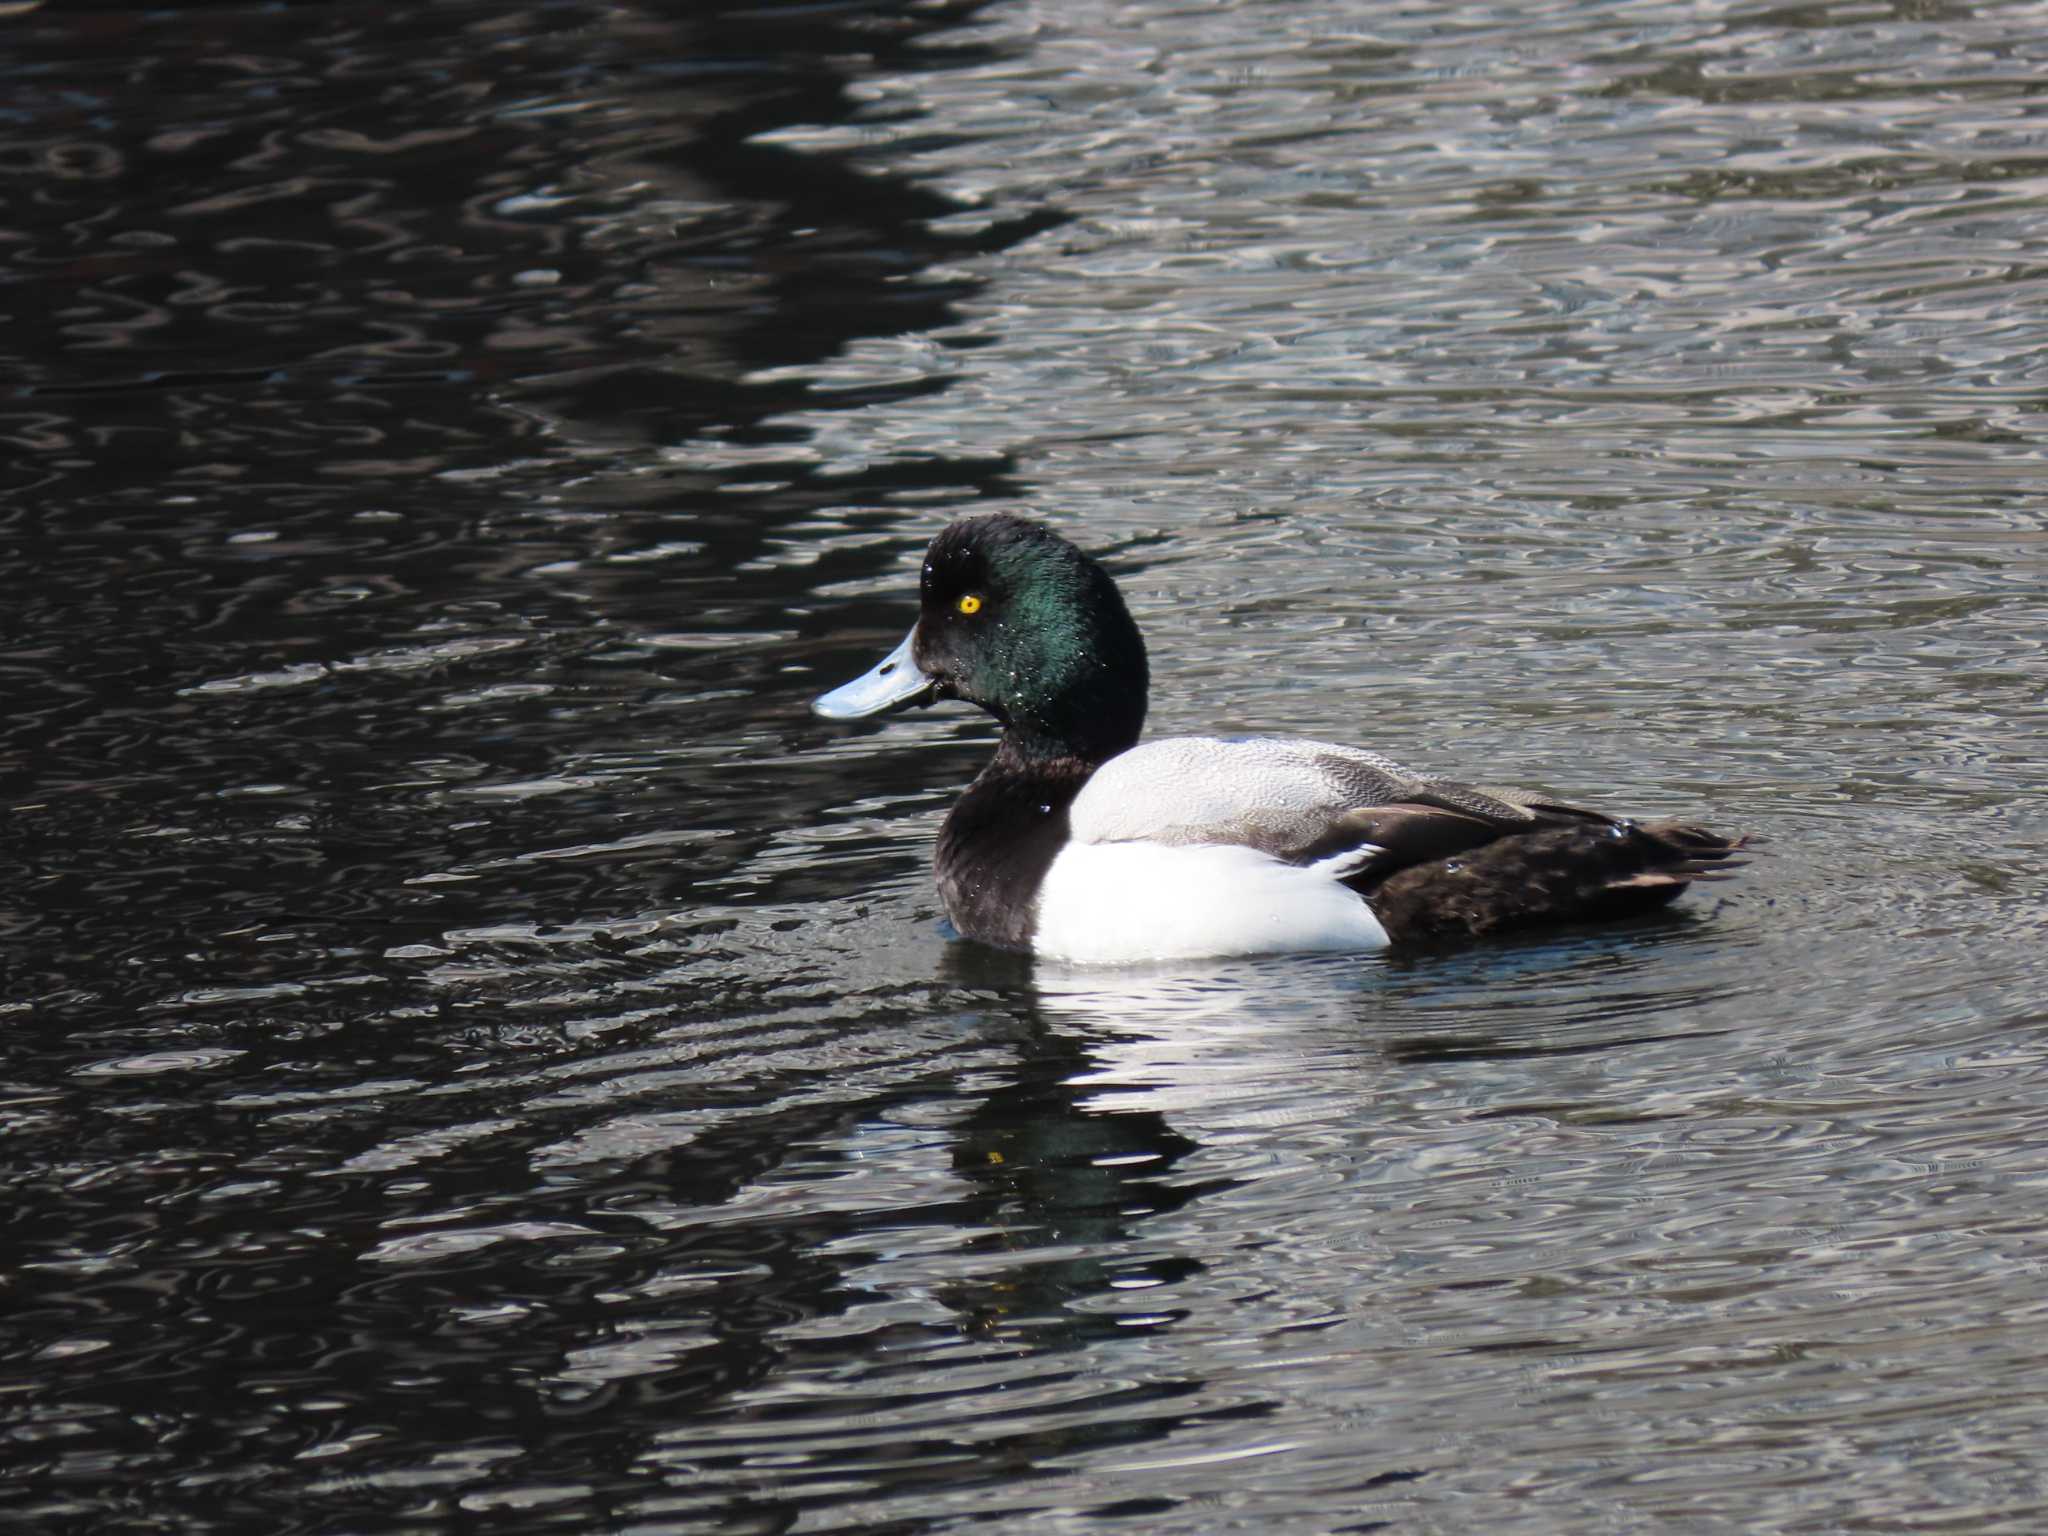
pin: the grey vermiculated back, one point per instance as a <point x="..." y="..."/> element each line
<point x="1279" y="795"/>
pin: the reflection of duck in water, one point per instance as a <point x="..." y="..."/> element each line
<point x="1077" y="843"/>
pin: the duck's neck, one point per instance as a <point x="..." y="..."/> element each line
<point x="1085" y="725"/>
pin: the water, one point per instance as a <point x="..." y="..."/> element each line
<point x="477" y="1051"/>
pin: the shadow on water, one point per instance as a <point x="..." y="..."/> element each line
<point x="336" y="345"/>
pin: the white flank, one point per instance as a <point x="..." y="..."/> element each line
<point x="1119" y="903"/>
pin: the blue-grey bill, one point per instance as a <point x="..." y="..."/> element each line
<point x="895" y="683"/>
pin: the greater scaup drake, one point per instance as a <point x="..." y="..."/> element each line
<point x="1079" y="844"/>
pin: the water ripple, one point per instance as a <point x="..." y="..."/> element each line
<point x="476" y="1047"/>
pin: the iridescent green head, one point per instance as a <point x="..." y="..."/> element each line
<point x="1016" y="619"/>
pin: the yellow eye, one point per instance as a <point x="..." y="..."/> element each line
<point x="969" y="604"/>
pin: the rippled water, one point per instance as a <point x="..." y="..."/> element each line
<point x="475" y="1050"/>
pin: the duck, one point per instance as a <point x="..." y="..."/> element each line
<point x="1079" y="843"/>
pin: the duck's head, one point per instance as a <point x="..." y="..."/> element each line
<point x="1014" y="618"/>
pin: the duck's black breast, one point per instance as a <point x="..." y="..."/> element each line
<point x="998" y="842"/>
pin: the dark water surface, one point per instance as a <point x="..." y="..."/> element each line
<point x="475" y="1054"/>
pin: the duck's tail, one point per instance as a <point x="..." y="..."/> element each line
<point x="1580" y="871"/>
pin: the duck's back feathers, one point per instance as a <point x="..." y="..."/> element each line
<point x="1303" y="802"/>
